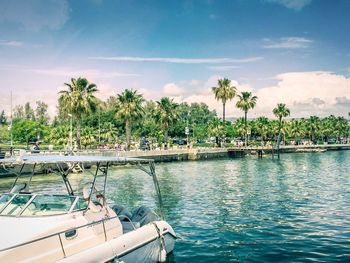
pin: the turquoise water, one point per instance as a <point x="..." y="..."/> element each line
<point x="246" y="210"/>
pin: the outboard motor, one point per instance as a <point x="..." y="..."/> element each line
<point x="144" y="215"/>
<point x="122" y="212"/>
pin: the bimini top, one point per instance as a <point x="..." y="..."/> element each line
<point x="49" y="159"/>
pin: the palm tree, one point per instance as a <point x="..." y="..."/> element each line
<point x="216" y="129"/>
<point x="59" y="135"/>
<point x="129" y="105"/>
<point x="246" y="102"/>
<point x="297" y="130"/>
<point x="109" y="132"/>
<point x="88" y="136"/>
<point x="167" y="115"/>
<point x="262" y="126"/>
<point x="280" y="111"/>
<point x="78" y="100"/>
<point x="341" y="128"/>
<point x="224" y="92"/>
<point x="313" y="127"/>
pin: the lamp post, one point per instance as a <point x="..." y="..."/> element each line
<point x="27" y="137"/>
<point x="99" y="125"/>
<point x="11" y="124"/>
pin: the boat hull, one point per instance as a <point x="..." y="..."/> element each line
<point x="144" y="244"/>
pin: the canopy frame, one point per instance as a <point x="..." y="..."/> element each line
<point x="102" y="166"/>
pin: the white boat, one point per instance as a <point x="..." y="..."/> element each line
<point x="69" y="227"/>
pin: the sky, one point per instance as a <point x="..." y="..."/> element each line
<point x="295" y="52"/>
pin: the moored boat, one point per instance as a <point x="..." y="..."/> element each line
<point x="72" y="227"/>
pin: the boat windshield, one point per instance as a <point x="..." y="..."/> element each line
<point x="39" y="205"/>
<point x="4" y="199"/>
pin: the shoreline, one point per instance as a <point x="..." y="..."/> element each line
<point x="199" y="154"/>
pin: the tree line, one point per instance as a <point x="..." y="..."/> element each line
<point x="85" y="121"/>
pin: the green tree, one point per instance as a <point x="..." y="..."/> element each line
<point x="29" y="112"/>
<point x="109" y="132"/>
<point x="41" y="114"/>
<point x="246" y="102"/>
<point x="78" y="100"/>
<point x="313" y="125"/>
<point x="262" y="126"/>
<point x="18" y="112"/>
<point x="25" y="131"/>
<point x="3" y="119"/>
<point x="281" y="111"/>
<point x="129" y="104"/>
<point x="4" y="133"/>
<point x="149" y="126"/>
<point x="167" y="115"/>
<point x="216" y="129"/>
<point x="341" y="127"/>
<point x="298" y="130"/>
<point x="224" y="92"/>
<point x="87" y="136"/>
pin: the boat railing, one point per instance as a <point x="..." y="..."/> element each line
<point x="59" y="235"/>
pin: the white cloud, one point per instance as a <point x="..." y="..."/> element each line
<point x="105" y="90"/>
<point x="69" y="72"/>
<point x="34" y="14"/>
<point x="11" y="43"/>
<point x="306" y="93"/>
<point x="223" y="68"/>
<point x="205" y="94"/>
<point x="173" y="90"/>
<point x="292" y="4"/>
<point x="287" y="43"/>
<point x="181" y="60"/>
<point x="194" y="82"/>
<point x="31" y="95"/>
<point x="317" y="93"/>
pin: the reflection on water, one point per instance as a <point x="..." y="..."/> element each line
<point x="292" y="209"/>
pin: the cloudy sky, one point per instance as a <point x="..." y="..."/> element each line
<point x="291" y="51"/>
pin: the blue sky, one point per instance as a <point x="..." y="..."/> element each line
<point x="291" y="51"/>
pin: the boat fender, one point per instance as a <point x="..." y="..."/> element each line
<point x="162" y="254"/>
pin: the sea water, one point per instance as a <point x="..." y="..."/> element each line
<point x="295" y="209"/>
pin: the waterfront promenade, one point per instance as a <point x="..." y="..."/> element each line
<point x="200" y="153"/>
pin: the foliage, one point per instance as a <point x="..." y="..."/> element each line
<point x="246" y="102"/>
<point x="224" y="91"/>
<point x="26" y="131"/>
<point x="128" y="114"/>
<point x="3" y="119"/>
<point x="41" y="114"/>
<point x="167" y="115"/>
<point x="78" y="100"/>
<point x="129" y="110"/>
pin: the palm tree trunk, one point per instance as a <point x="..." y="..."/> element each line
<point x="166" y="139"/>
<point x="246" y="132"/>
<point x="223" y="111"/>
<point x="128" y="133"/>
<point x="78" y="134"/>
<point x="280" y="123"/>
